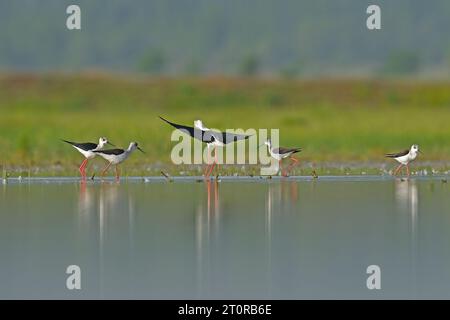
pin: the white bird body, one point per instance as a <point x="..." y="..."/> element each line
<point x="116" y="159"/>
<point x="407" y="158"/>
<point x="216" y="142"/>
<point x="404" y="158"/>
<point x="87" y="149"/>
<point x="281" y="153"/>
<point x="277" y="156"/>
<point x="88" y="154"/>
<point x="117" y="156"/>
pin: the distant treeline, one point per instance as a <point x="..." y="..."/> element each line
<point x="285" y="37"/>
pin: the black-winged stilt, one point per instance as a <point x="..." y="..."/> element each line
<point x="404" y="158"/>
<point x="87" y="150"/>
<point x="210" y="137"/>
<point x="282" y="153"/>
<point x="117" y="156"/>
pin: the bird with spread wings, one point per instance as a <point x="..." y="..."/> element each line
<point x="211" y="137"/>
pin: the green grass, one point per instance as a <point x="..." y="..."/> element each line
<point x="333" y="120"/>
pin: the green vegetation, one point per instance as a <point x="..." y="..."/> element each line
<point x="344" y="121"/>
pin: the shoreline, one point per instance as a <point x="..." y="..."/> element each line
<point x="200" y="179"/>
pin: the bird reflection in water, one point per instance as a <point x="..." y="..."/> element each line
<point x="85" y="200"/>
<point x="407" y="199"/>
<point x="281" y="198"/>
<point x="206" y="223"/>
<point x="96" y="203"/>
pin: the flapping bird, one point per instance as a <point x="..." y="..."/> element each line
<point x="212" y="138"/>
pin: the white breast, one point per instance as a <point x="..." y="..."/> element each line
<point x="115" y="159"/>
<point x="276" y="155"/>
<point x="404" y="159"/>
<point x="87" y="154"/>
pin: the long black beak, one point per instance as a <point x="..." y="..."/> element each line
<point x="140" y="150"/>
<point x="110" y="144"/>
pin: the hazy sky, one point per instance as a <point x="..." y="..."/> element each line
<point x="291" y="37"/>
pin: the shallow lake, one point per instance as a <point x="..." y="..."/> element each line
<point x="238" y="238"/>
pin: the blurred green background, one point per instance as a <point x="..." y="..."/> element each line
<point x="310" y="68"/>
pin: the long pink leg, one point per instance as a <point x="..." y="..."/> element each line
<point x="407" y="170"/>
<point x="207" y="165"/>
<point x="217" y="159"/>
<point x="106" y="169"/>
<point x="398" y="169"/>
<point x="117" y="173"/>
<point x="213" y="165"/>
<point x="294" y="162"/>
<point x="82" y="168"/>
<point x="206" y="170"/>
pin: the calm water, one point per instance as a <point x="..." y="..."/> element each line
<point x="234" y="239"/>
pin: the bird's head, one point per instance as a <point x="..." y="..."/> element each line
<point x="104" y="141"/>
<point x="199" y="125"/>
<point x="133" y="146"/>
<point x="267" y="143"/>
<point x="415" y="149"/>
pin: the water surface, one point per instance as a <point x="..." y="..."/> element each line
<point x="238" y="238"/>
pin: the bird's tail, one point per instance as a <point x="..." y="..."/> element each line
<point x="390" y="155"/>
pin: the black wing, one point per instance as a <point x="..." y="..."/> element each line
<point x="226" y="137"/>
<point x="193" y="132"/>
<point x="86" y="146"/>
<point x="282" y="150"/>
<point x="110" y="151"/>
<point x="396" y="155"/>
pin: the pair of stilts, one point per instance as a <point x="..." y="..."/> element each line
<point x="113" y="156"/>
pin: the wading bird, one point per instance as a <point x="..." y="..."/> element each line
<point x="282" y="153"/>
<point x="117" y="156"/>
<point x="404" y="158"/>
<point x="210" y="137"/>
<point x="87" y="149"/>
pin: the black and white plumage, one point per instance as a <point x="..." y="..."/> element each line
<point x="211" y="137"/>
<point x="87" y="149"/>
<point x="204" y="134"/>
<point x="404" y="157"/>
<point x="117" y="156"/>
<point x="280" y="153"/>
